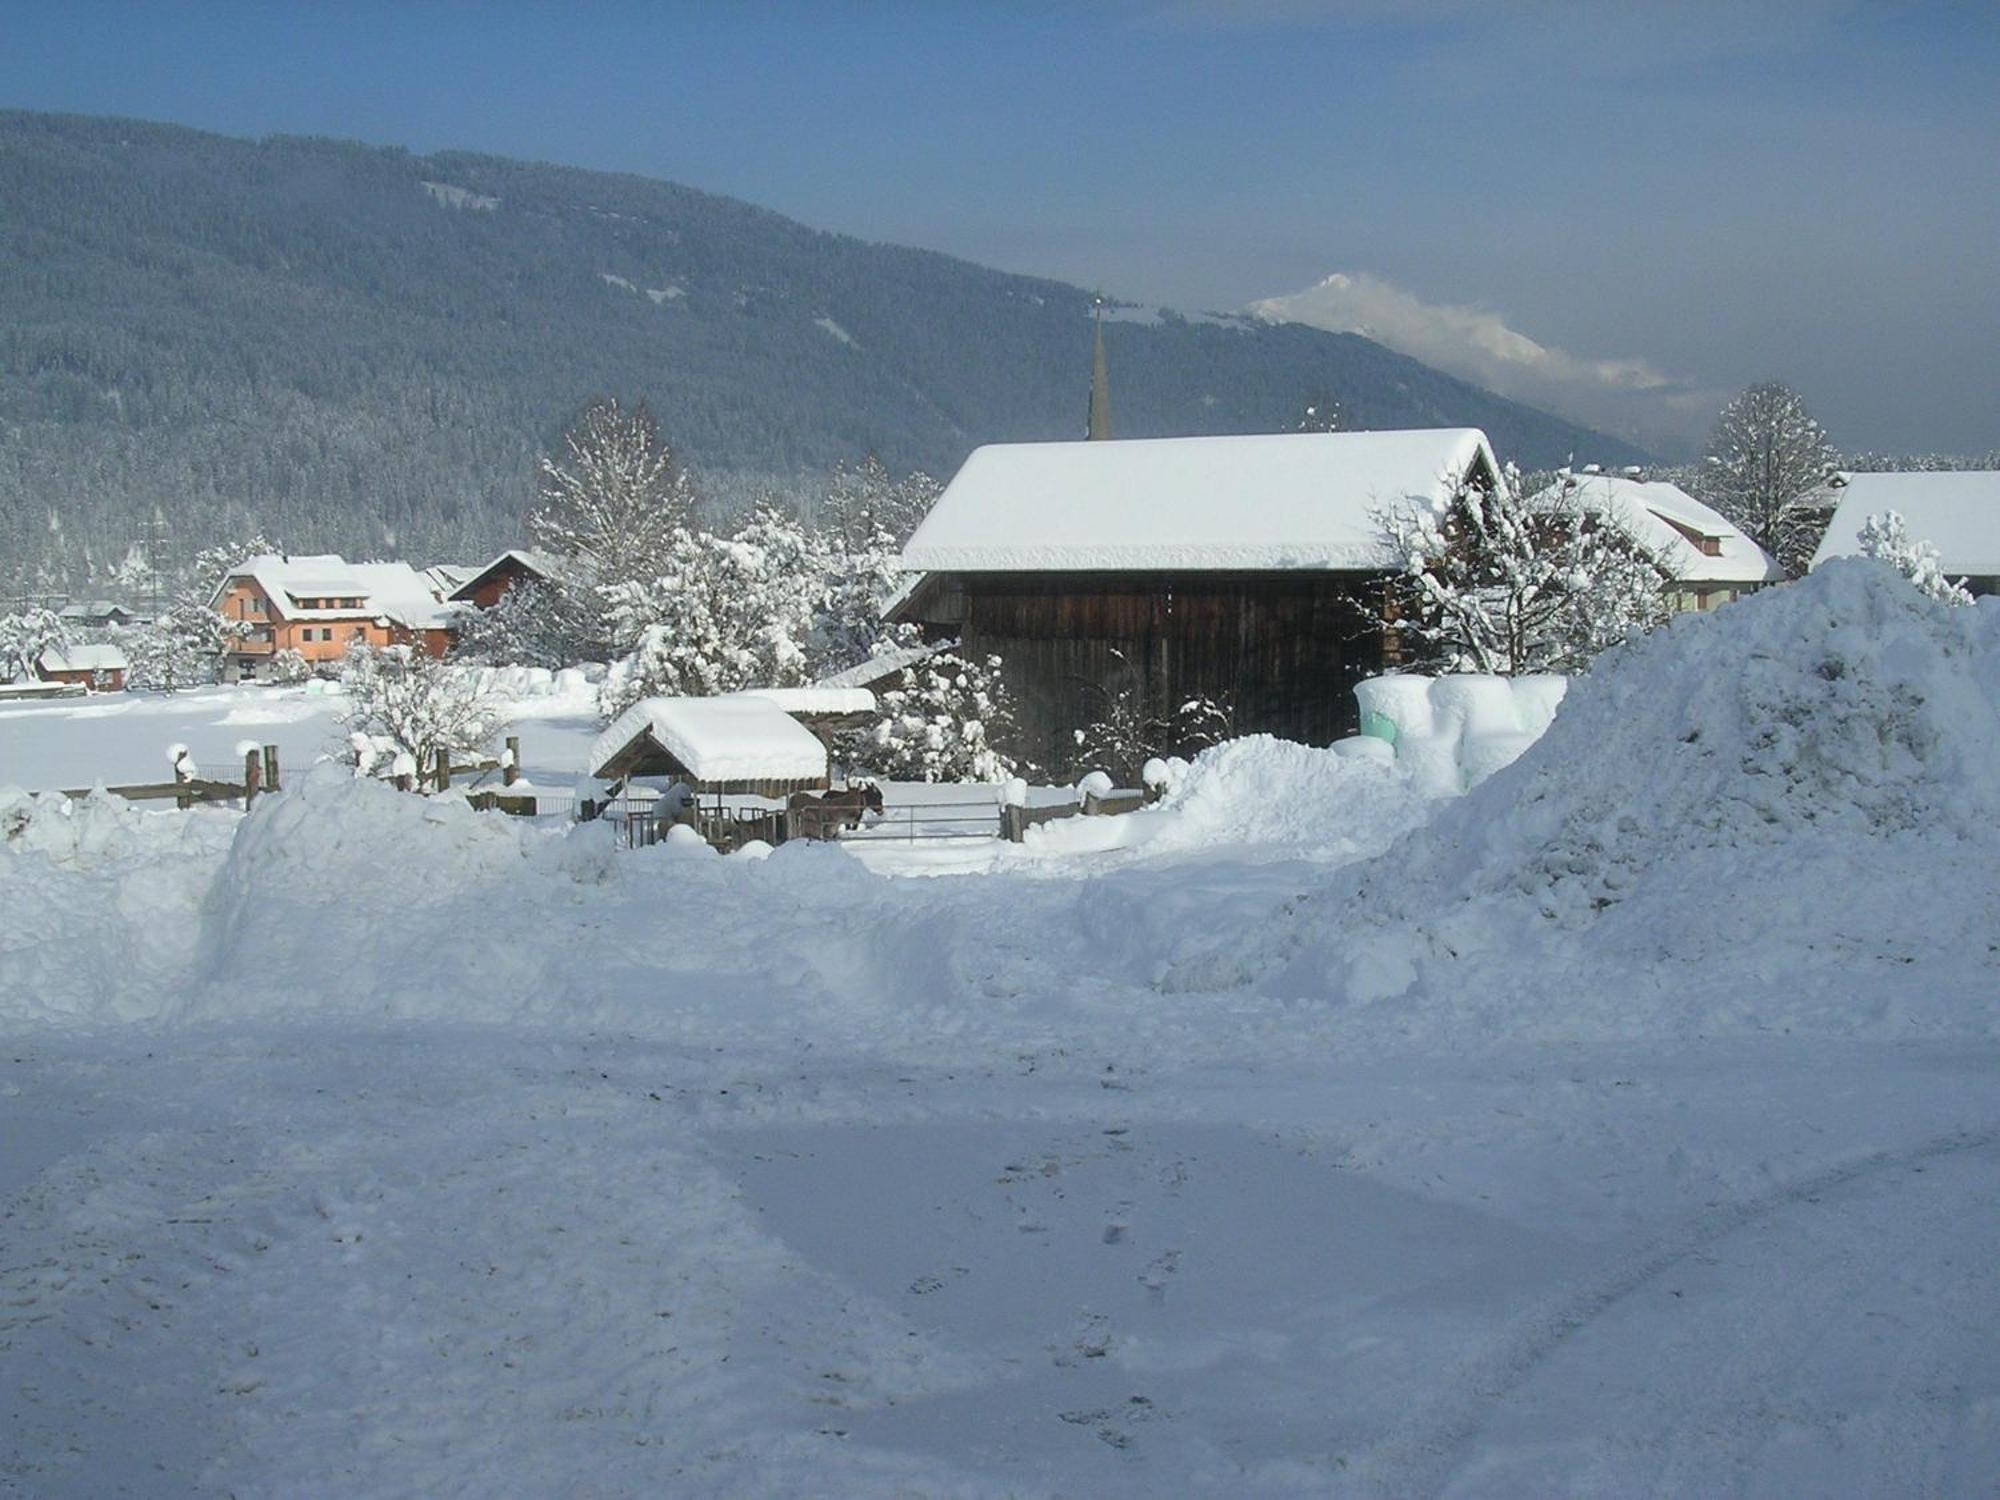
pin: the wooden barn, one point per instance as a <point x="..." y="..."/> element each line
<point x="510" y="570"/>
<point x="93" y="667"/>
<point x="1248" y="570"/>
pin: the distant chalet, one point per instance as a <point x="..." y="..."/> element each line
<point x="318" y="606"/>
<point x="1249" y="570"/>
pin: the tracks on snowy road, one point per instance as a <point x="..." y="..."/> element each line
<point x="1744" y="1361"/>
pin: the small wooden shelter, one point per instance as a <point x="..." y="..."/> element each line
<point x="741" y="743"/>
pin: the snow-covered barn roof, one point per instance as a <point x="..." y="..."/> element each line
<point x="883" y="664"/>
<point x="539" y="564"/>
<point x="83" y="658"/>
<point x="391" y="590"/>
<point x="1956" y="510"/>
<point x="1288" y="500"/>
<point x="818" y="701"/>
<point x="739" y="737"/>
<point x="1698" y="542"/>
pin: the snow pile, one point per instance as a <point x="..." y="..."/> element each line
<point x="336" y="866"/>
<point x="529" y="683"/>
<point x="103" y="903"/>
<point x="1451" y="733"/>
<point x="1797" y="792"/>
<point x="1847" y="706"/>
<point x="1296" y="798"/>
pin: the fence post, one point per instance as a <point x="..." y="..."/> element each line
<point x="444" y="770"/>
<point x="253" y="766"/>
<point x="270" y="768"/>
<point x="511" y="771"/>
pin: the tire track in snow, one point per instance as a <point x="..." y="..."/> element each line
<point x="1425" y="1457"/>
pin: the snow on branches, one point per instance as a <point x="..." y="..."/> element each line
<point x="941" y="725"/>
<point x="405" y="708"/>
<point x="1886" y="538"/>
<point x="1767" y="469"/>
<point x="616" y="498"/>
<point x="1492" y="580"/>
<point x="24" y="636"/>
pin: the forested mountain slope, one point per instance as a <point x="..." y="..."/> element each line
<point x="362" y="349"/>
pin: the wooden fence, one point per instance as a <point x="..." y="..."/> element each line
<point x="260" y="774"/>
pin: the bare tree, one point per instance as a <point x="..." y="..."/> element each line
<point x="1767" y="469"/>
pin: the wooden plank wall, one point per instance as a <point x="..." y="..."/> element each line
<point x="1285" y="649"/>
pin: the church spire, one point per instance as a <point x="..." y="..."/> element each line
<point x="1100" y="381"/>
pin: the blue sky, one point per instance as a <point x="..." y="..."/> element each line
<point x="1710" y="194"/>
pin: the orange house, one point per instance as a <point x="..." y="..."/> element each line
<point x="319" y="606"/>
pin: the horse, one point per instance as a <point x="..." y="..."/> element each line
<point x="844" y="808"/>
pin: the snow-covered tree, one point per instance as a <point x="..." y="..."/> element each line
<point x="616" y="498"/>
<point x="1886" y="538"/>
<point x="1766" y="469"/>
<point x="404" y="707"/>
<point x="24" y="636"/>
<point x="183" y="648"/>
<point x="942" y="725"/>
<point x="722" y="613"/>
<point x="534" y="624"/>
<point x="1495" y="580"/>
<point x="863" y="503"/>
<point x="289" y="666"/>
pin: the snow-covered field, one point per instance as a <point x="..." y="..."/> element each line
<point x="1630" y="1126"/>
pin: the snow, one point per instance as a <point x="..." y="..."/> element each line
<point x="1293" y="500"/>
<point x="734" y="737"/>
<point x="1958" y="512"/>
<point x="819" y="701"/>
<point x="538" y="563"/>
<point x="1660" y="515"/>
<point x="392" y="589"/>
<point x="85" y="657"/>
<point x="877" y="668"/>
<point x="450" y="195"/>
<point x="1450" y="733"/>
<point x="1628" y="1125"/>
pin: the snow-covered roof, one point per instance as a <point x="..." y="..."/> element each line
<point x="818" y="701"/>
<point x="541" y="564"/>
<point x="1956" y="510"/>
<point x="1288" y="500"/>
<point x="83" y="658"/>
<point x="93" y="609"/>
<point x="1662" y="516"/>
<point x="737" y="737"/>
<point x="882" y="664"/>
<point x="390" y="590"/>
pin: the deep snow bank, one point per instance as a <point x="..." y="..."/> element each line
<point x="102" y="903"/>
<point x="1846" y="705"/>
<point x="1758" y="819"/>
<point x="1294" y="798"/>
